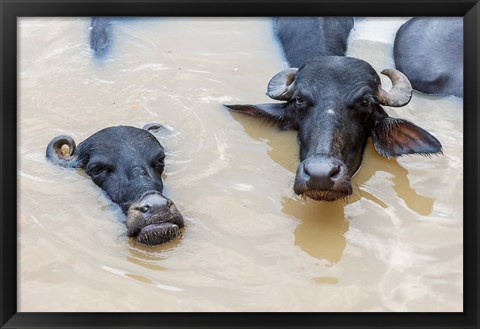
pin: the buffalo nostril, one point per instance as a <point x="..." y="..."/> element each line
<point x="306" y="171"/>
<point x="334" y="171"/>
<point x="169" y="203"/>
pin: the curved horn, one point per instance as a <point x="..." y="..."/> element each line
<point x="158" y="128"/>
<point x="153" y="126"/>
<point x="54" y="151"/>
<point x="401" y="91"/>
<point x="281" y="85"/>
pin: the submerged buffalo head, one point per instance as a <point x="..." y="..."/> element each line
<point x="335" y="104"/>
<point x="127" y="163"/>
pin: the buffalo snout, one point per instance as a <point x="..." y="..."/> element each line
<point x="154" y="219"/>
<point x="323" y="178"/>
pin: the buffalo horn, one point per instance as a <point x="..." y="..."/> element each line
<point x="281" y="85"/>
<point x="54" y="151"/>
<point x="401" y="91"/>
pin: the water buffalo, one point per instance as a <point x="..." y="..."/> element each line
<point x="335" y="103"/>
<point x="127" y="163"/>
<point x="429" y="51"/>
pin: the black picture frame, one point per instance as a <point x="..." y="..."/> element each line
<point x="10" y="10"/>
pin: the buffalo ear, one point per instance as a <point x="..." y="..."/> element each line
<point x="394" y="137"/>
<point x="275" y="112"/>
<point x="269" y="110"/>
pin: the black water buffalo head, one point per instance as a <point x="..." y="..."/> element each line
<point x="335" y="104"/>
<point x="127" y="163"/>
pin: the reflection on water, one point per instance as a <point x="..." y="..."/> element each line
<point x="320" y="232"/>
<point x="390" y="169"/>
<point x="249" y="243"/>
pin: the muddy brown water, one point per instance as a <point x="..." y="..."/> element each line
<point x="249" y="243"/>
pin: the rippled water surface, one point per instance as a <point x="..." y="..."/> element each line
<point x="249" y="243"/>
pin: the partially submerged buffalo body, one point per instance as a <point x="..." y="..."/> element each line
<point x="335" y="103"/>
<point x="127" y="163"/>
<point x="430" y="53"/>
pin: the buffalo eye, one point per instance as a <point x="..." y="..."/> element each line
<point x="159" y="163"/>
<point x="365" y="102"/>
<point x="98" y="170"/>
<point x="299" y="100"/>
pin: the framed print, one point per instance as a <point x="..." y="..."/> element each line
<point x="228" y="164"/>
